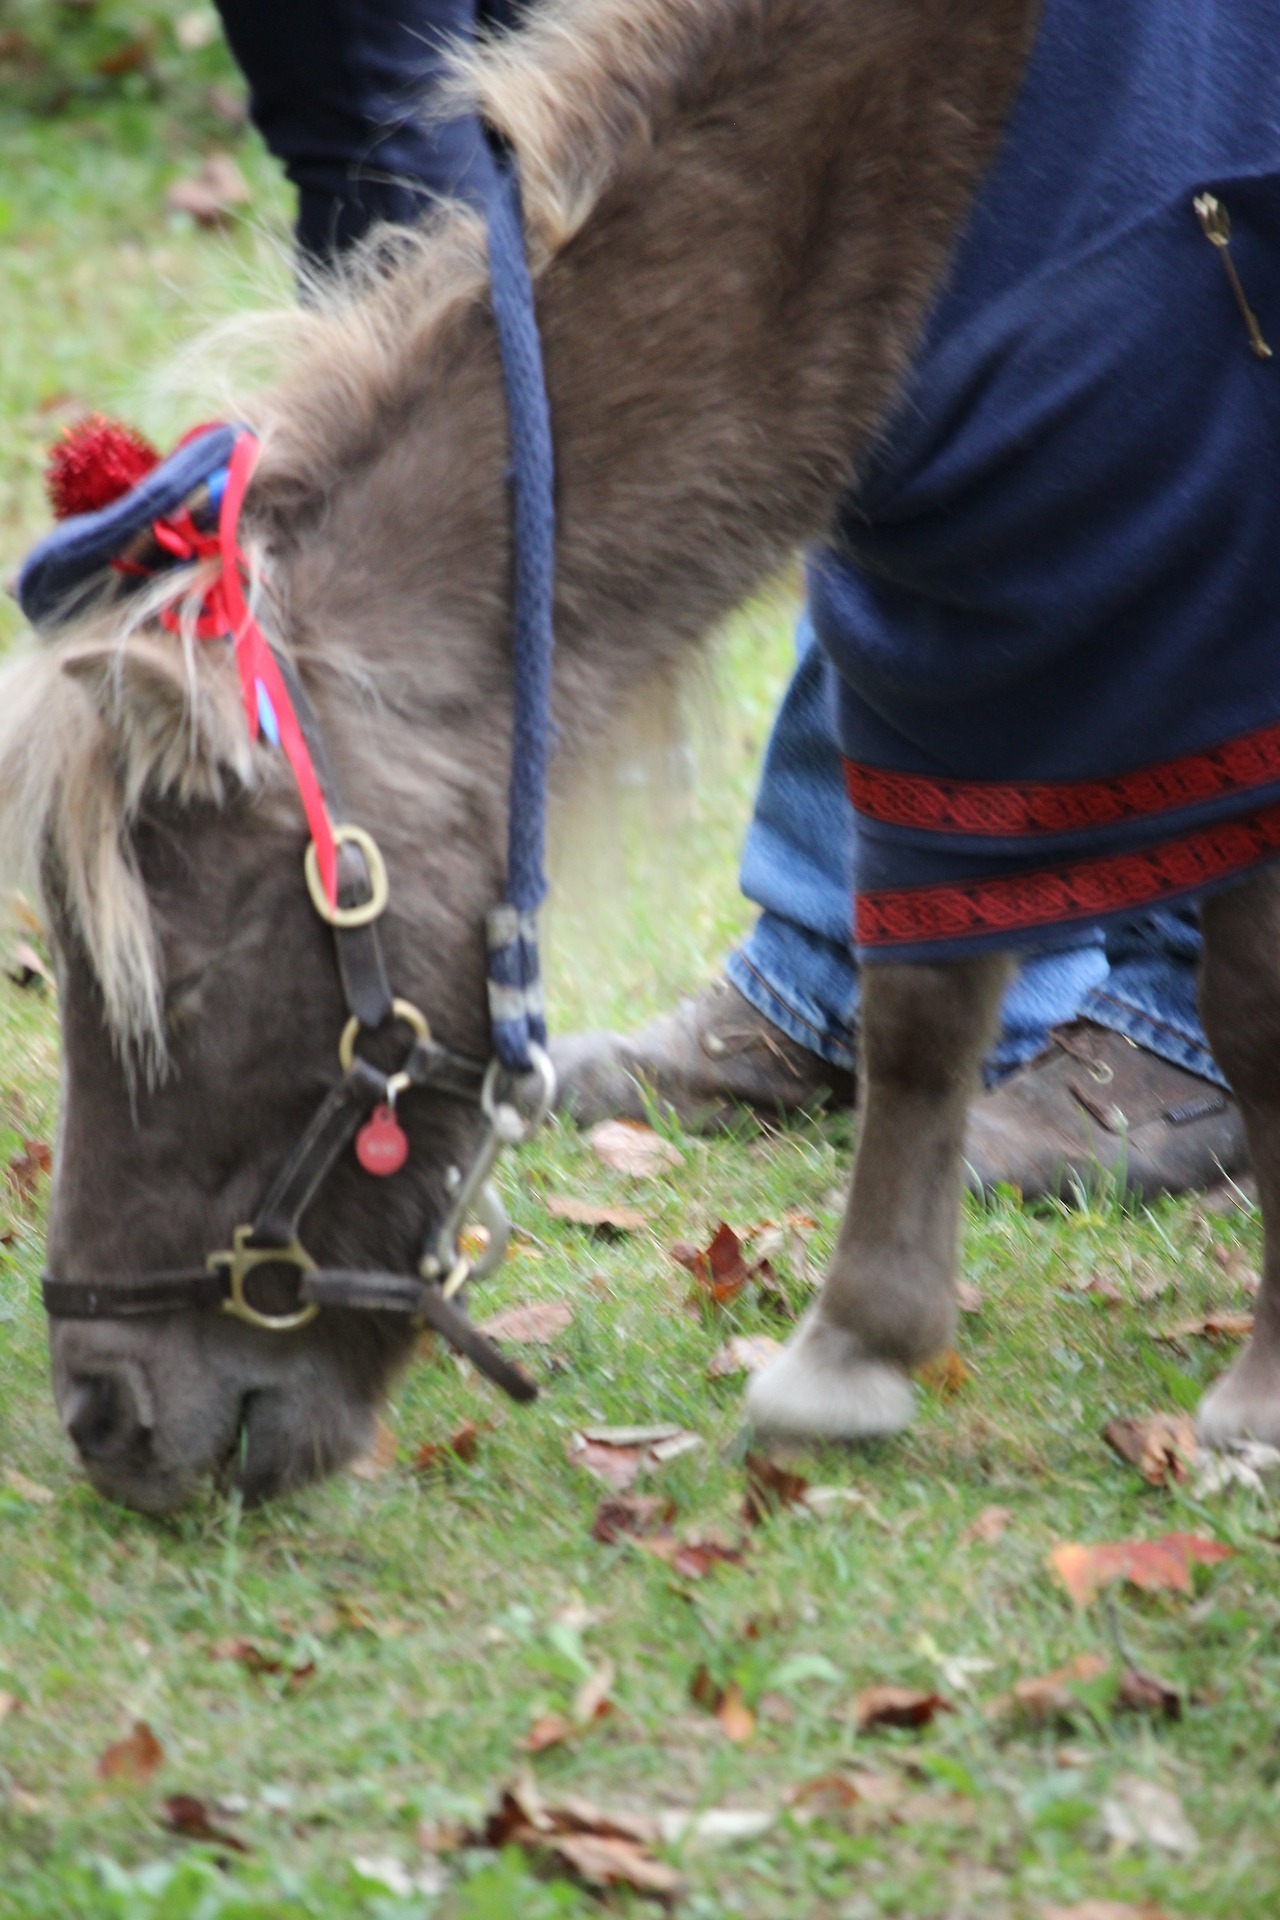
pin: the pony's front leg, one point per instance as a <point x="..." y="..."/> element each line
<point x="1240" y="1006"/>
<point x="888" y="1300"/>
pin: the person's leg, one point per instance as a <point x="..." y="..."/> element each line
<point x="1129" y="1089"/>
<point x="779" y="1032"/>
<point x="337" y="89"/>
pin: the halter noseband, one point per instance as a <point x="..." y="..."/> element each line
<point x="171" y="515"/>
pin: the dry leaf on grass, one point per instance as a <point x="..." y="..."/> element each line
<point x="26" y="1168"/>
<point x="737" y="1721"/>
<point x="379" y="1457"/>
<point x="968" y="1298"/>
<point x="988" y="1527"/>
<point x="1235" y="1264"/>
<point x="591" y="1702"/>
<point x="604" y="1849"/>
<point x="211" y="194"/>
<point x="461" y="1445"/>
<point x="944" y="1377"/>
<point x="745" y="1353"/>
<point x="136" y="1757"/>
<point x="1100" y="1287"/>
<point x="619" y="1455"/>
<point x="29" y="1490"/>
<point x="887" y="1706"/>
<point x="248" y="1654"/>
<point x="631" y="1516"/>
<point x="1163" y="1446"/>
<point x="1051" y="1696"/>
<point x="9" y="1703"/>
<point x="769" y="1487"/>
<point x="693" y="1558"/>
<point x="721" y="1273"/>
<point x="1140" y="1692"/>
<point x="1213" y="1326"/>
<point x="1162" y="1565"/>
<point x="190" y="1817"/>
<point x="1139" y="1812"/>
<point x="537" y="1323"/>
<point x="130" y="57"/>
<point x="606" y="1220"/>
<point x="25" y="967"/>
<point x="628" y="1147"/>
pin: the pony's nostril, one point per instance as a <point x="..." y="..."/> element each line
<point x="102" y="1415"/>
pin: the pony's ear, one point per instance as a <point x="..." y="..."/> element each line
<point x="176" y="716"/>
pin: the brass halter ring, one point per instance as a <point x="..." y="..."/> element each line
<point x="400" y="1010"/>
<point x="242" y="1260"/>
<point x="365" y="911"/>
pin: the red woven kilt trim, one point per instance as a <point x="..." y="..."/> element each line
<point x="1007" y="808"/>
<point x="1082" y="890"/>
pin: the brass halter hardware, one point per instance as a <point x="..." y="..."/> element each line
<point x="365" y="911"/>
<point x="400" y="1010"/>
<point x="242" y="1260"/>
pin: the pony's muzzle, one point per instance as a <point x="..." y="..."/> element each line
<point x="109" y="1416"/>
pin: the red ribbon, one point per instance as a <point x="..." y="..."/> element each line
<point x="224" y="613"/>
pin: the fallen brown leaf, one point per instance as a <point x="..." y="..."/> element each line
<point x="379" y="1457"/>
<point x="1140" y="1692"/>
<point x="887" y="1706"/>
<point x="136" y="1757"/>
<point x="1101" y="1287"/>
<point x="628" y="1147"/>
<point x="694" y="1558"/>
<point x="1051" y="1696"/>
<point x="548" y="1730"/>
<point x="130" y="57"/>
<point x="988" y="1527"/>
<point x="1163" y="1446"/>
<point x="968" y="1298"/>
<point x="604" y="1849"/>
<point x="770" y="1486"/>
<point x="745" y="1353"/>
<point x="1213" y="1326"/>
<point x="211" y="194"/>
<point x="721" y="1272"/>
<point x="1155" y="1565"/>
<point x="9" y="1703"/>
<point x="631" y="1516"/>
<point x="946" y="1376"/>
<point x="537" y="1323"/>
<point x="461" y="1445"/>
<point x="737" y="1721"/>
<point x="591" y="1701"/>
<point x="618" y="1455"/>
<point x="248" y="1654"/>
<point x="607" y="1220"/>
<point x="190" y="1817"/>
<point x="26" y="1168"/>
<point x="828" y="1795"/>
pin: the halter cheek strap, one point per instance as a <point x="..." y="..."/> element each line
<point x="188" y="510"/>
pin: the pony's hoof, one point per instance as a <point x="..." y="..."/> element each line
<point x="1240" y="1406"/>
<point x="823" y="1387"/>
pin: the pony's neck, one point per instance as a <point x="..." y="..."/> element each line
<point x="729" y="326"/>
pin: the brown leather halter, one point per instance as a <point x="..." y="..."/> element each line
<point x="271" y="1242"/>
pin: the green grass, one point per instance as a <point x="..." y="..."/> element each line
<point x="443" y="1615"/>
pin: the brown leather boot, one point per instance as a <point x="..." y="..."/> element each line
<point x="707" y="1061"/>
<point x="1095" y="1105"/>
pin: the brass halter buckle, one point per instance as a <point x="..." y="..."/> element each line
<point x="365" y="912"/>
<point x="242" y="1260"/>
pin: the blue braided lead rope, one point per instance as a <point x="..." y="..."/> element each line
<point x="515" y="978"/>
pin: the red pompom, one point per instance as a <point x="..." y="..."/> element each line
<point x="96" y="461"/>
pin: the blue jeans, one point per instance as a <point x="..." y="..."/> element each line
<point x="797" y="965"/>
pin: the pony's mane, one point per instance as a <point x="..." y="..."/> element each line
<point x="113" y="709"/>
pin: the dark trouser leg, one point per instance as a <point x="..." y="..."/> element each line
<point x="1240" y="1005"/>
<point x="337" y="90"/>
<point x="888" y="1301"/>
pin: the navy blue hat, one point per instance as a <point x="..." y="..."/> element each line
<point x="67" y="571"/>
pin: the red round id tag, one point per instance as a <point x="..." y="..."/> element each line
<point x="382" y="1146"/>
